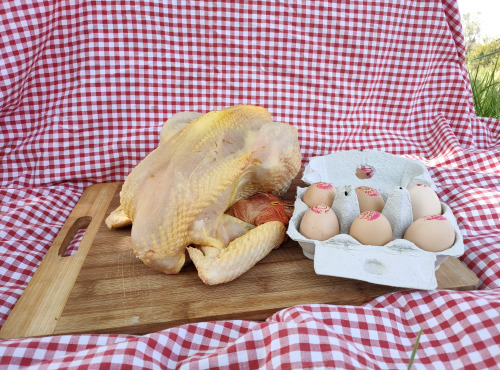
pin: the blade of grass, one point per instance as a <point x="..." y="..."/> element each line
<point x="485" y="85"/>
<point x="412" y="358"/>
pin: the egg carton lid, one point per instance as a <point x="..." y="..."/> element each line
<point x="388" y="170"/>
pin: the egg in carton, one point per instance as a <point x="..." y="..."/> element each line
<point x="399" y="262"/>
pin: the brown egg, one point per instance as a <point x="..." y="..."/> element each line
<point x="431" y="233"/>
<point x="319" y="193"/>
<point x="371" y="228"/>
<point x="319" y="223"/>
<point x="369" y="199"/>
<point x="424" y="201"/>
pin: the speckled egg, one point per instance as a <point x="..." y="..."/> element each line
<point x="319" y="193"/>
<point x="369" y="199"/>
<point x="424" y="201"/>
<point x="431" y="233"/>
<point x="319" y="223"/>
<point x="371" y="228"/>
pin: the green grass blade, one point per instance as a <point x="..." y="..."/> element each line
<point x="412" y="358"/>
<point x="485" y="84"/>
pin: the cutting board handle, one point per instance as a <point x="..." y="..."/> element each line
<point x="40" y="306"/>
<point x="78" y="224"/>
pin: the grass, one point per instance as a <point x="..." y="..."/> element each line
<point x="485" y="83"/>
<point x="412" y="358"/>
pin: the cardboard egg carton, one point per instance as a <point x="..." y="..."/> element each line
<point x="399" y="263"/>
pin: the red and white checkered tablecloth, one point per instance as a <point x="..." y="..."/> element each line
<point x="86" y="85"/>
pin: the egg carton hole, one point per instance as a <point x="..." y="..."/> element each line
<point x="364" y="171"/>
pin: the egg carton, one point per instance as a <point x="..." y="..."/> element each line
<point x="399" y="263"/>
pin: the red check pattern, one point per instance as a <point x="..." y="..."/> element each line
<point x="86" y="85"/>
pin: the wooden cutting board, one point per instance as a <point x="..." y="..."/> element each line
<point x="104" y="288"/>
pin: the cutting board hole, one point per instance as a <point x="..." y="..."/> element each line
<point x="74" y="236"/>
<point x="364" y="171"/>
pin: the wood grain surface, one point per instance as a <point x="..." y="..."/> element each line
<point x="108" y="290"/>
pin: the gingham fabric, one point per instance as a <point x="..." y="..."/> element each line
<point x="86" y="86"/>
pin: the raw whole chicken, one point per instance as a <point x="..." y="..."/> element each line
<point x="176" y="198"/>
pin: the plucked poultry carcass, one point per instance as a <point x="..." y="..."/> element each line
<point x="176" y="198"/>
